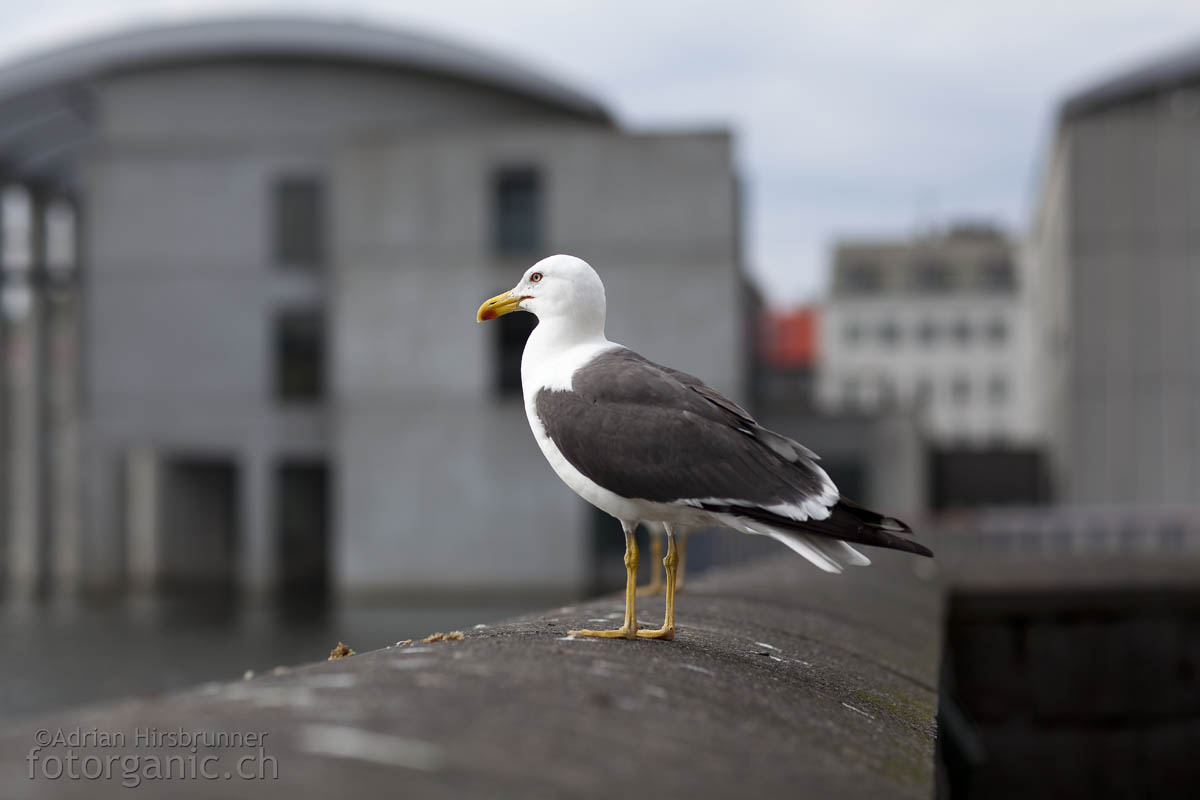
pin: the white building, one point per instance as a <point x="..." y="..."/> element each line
<point x="939" y="324"/>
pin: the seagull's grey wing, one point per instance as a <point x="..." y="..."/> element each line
<point x="644" y="431"/>
<point x="704" y="390"/>
<point x="640" y="431"/>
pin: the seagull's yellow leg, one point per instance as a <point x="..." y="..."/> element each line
<point x="656" y="582"/>
<point x="629" y="629"/>
<point x="670" y="563"/>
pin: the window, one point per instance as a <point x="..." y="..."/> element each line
<point x="927" y="332"/>
<point x="998" y="274"/>
<point x="517" y="211"/>
<point x="889" y="332"/>
<point x="997" y="331"/>
<point x="962" y="331"/>
<point x="513" y="329"/>
<point x="299" y="211"/>
<point x="299" y="356"/>
<point x="517" y="231"/>
<point x="200" y="519"/>
<point x="302" y="522"/>
<point x="932" y="275"/>
<point x="862" y="277"/>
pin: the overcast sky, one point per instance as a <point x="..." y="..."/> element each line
<point x="851" y="117"/>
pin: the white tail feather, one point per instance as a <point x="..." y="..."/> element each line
<point x="828" y="555"/>
<point x="839" y="551"/>
<point x="803" y="546"/>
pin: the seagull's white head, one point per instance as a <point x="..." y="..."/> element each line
<point x="559" y="289"/>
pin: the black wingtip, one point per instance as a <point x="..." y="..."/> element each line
<point x="920" y="549"/>
<point x="873" y="518"/>
<point x="847" y="521"/>
<point x="879" y="530"/>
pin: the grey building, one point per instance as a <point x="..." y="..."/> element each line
<point x="1116" y="253"/>
<point x="939" y="330"/>
<point x="285" y="228"/>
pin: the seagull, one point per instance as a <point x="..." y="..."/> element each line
<point x="646" y="443"/>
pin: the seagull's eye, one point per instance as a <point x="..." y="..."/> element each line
<point x="535" y="277"/>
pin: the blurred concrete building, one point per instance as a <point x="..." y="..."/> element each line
<point x="1116" y="249"/>
<point x="285" y="228"/>
<point x="939" y="323"/>
<point x="942" y="326"/>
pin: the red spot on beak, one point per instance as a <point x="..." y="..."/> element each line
<point x="486" y="315"/>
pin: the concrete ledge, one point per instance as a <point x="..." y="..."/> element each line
<point x="782" y="682"/>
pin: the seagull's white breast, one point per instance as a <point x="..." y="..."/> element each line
<point x="540" y="370"/>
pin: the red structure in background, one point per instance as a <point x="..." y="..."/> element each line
<point x="787" y="358"/>
<point x="789" y="338"/>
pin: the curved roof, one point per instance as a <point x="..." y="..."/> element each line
<point x="44" y="103"/>
<point x="1178" y="69"/>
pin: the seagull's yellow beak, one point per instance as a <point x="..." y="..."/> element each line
<point x="498" y="306"/>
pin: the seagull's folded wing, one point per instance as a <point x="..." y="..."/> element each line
<point x="647" y="432"/>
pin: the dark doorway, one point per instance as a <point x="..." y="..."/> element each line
<point x="199" y="523"/>
<point x="303" y="520"/>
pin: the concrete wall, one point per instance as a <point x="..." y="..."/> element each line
<point x="181" y="283"/>
<point x="1132" y="400"/>
<point x="836" y="700"/>
<point x="440" y="482"/>
<point x="1048" y="253"/>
